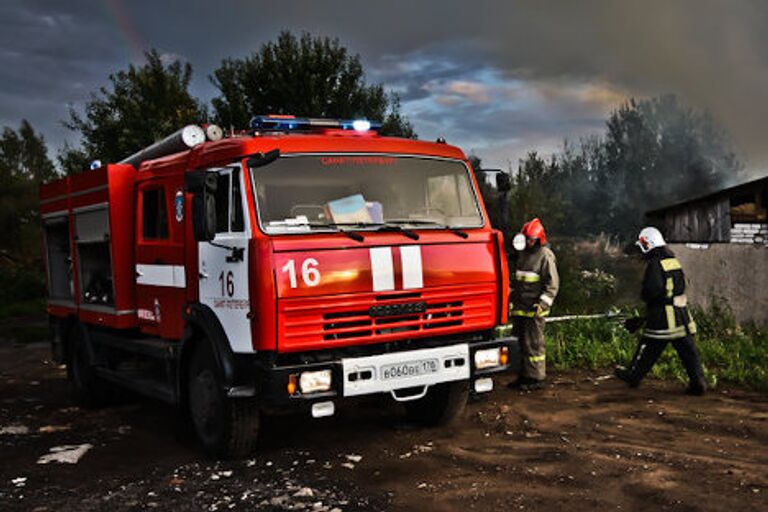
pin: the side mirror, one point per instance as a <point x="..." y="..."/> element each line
<point x="203" y="184"/>
<point x="503" y="182"/>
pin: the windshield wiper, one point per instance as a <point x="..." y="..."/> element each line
<point x="387" y="226"/>
<point x="457" y="231"/>
<point x="357" y="237"/>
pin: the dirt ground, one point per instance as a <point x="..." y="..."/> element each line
<point x="584" y="443"/>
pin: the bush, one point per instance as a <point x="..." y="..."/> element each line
<point x="595" y="275"/>
<point x="20" y="284"/>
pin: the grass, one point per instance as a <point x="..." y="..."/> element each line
<point x="729" y="352"/>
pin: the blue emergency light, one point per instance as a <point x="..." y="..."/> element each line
<point x="308" y="124"/>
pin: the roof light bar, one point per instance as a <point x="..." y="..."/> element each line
<point x="284" y="123"/>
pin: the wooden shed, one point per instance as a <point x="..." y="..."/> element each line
<point x="737" y="214"/>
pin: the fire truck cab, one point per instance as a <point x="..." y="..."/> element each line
<point x="284" y="268"/>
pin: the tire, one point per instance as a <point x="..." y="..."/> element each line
<point x="225" y="427"/>
<point x="442" y="405"/>
<point x="86" y="387"/>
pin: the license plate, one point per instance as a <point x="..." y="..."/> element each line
<point x="409" y="369"/>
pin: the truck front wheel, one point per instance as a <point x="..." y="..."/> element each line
<point x="226" y="427"/>
<point x="442" y="405"/>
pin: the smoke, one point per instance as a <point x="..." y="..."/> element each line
<point x="714" y="55"/>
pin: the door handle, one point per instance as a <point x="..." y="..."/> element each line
<point x="202" y="275"/>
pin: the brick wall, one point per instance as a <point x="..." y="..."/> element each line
<point x="749" y="233"/>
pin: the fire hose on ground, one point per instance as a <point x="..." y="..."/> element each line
<point x="631" y="323"/>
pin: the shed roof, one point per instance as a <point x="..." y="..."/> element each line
<point x="712" y="195"/>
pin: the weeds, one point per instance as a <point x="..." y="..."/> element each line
<point x="729" y="352"/>
<point x="595" y="275"/>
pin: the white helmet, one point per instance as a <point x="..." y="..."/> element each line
<point x="649" y="239"/>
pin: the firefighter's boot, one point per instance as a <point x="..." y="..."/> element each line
<point x="648" y="351"/>
<point x="627" y="376"/>
<point x="521" y="383"/>
<point x="532" y="385"/>
<point x="689" y="355"/>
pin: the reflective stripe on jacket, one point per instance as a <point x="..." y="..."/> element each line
<point x="664" y="294"/>
<point x="534" y="282"/>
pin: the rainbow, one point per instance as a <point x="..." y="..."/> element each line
<point x="115" y="10"/>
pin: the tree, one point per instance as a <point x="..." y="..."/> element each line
<point x="24" y="165"/>
<point x="537" y="192"/>
<point x="139" y="107"/>
<point x="308" y="77"/>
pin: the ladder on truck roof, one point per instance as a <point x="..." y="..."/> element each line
<point x="181" y="140"/>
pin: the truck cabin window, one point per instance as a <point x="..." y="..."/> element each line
<point x="154" y="214"/>
<point x="229" y="204"/>
<point x="322" y="192"/>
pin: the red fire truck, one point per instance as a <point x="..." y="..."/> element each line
<point x="291" y="266"/>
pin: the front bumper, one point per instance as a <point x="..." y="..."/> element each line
<point x="385" y="373"/>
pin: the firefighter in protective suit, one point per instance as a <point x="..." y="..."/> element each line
<point x="667" y="318"/>
<point x="533" y="290"/>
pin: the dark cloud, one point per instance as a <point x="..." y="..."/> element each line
<point x="493" y="75"/>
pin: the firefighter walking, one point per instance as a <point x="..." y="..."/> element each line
<point x="667" y="318"/>
<point x="533" y="290"/>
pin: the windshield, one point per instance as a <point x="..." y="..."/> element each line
<point x="321" y="192"/>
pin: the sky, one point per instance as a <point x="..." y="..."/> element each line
<point x="496" y="78"/>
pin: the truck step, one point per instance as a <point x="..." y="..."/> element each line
<point x="148" y="387"/>
<point x="156" y="348"/>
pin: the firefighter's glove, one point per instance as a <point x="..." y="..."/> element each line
<point x="634" y="323"/>
<point x="539" y="310"/>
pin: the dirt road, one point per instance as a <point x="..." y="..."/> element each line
<point x="584" y="443"/>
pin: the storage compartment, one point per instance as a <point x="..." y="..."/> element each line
<point x="94" y="256"/>
<point x="59" y="258"/>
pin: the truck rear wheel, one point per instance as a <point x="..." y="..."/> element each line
<point x="87" y="388"/>
<point x="442" y="405"/>
<point x="226" y="427"/>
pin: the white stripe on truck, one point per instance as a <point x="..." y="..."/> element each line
<point x="161" y="275"/>
<point x="382" y="269"/>
<point x="413" y="275"/>
<point x="383" y="272"/>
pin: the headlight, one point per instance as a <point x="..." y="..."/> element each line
<point x="313" y="382"/>
<point x="491" y="357"/>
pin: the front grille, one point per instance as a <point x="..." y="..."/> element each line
<point x="305" y="323"/>
<point x="395" y="318"/>
<point x="397" y="309"/>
